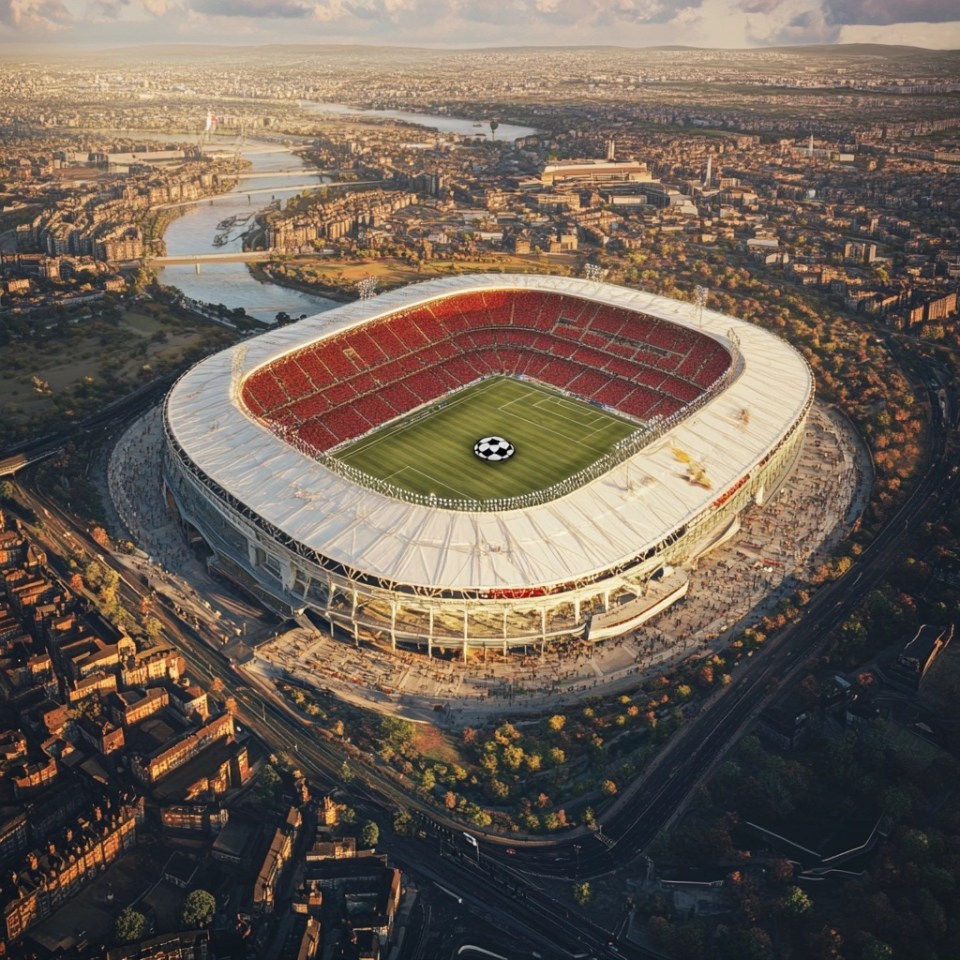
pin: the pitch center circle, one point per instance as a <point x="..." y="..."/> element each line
<point x="493" y="449"/>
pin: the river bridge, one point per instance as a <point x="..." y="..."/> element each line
<point x="291" y="172"/>
<point x="236" y="256"/>
<point x="234" y="194"/>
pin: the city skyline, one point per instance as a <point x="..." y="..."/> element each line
<point x="59" y="25"/>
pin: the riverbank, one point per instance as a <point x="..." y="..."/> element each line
<point x="337" y="279"/>
<point x="264" y="273"/>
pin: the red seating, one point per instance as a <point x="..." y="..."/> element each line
<point x="484" y="362"/>
<point x="317" y="435"/>
<point x="314" y="368"/>
<point x="296" y="383"/>
<point x="345" y="423"/>
<point x="675" y="387"/>
<point x="365" y="346"/>
<point x="363" y="383"/>
<point x="613" y="392"/>
<point x="714" y="368"/>
<point x="649" y="377"/>
<point x="310" y="406"/>
<point x="589" y="357"/>
<point x="338" y="393"/>
<point x="339" y="388"/>
<point x="426" y="385"/>
<point x="374" y="410"/>
<point x="399" y="397"/>
<point x="265" y="390"/>
<point x="407" y="331"/>
<point x="640" y="402"/>
<point x="335" y="360"/>
<point x="587" y="383"/>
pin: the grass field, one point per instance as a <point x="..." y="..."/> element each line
<point x="554" y="437"/>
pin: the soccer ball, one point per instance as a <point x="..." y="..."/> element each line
<point x="493" y="448"/>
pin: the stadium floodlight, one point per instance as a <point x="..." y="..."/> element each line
<point x="701" y="294"/>
<point x="367" y="287"/>
<point x="594" y="272"/>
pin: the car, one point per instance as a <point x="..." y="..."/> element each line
<point x="510" y="852"/>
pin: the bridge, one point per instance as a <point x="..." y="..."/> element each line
<point x="237" y="256"/>
<point x="234" y="194"/>
<point x="292" y="172"/>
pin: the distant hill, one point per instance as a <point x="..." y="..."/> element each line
<point x="286" y="51"/>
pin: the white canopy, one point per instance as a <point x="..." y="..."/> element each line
<point x="609" y="520"/>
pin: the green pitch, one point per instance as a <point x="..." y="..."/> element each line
<point x="554" y="437"/>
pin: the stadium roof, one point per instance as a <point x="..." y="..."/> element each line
<point x="609" y="520"/>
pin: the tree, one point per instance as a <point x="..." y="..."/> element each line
<point x="153" y="628"/>
<point x="556" y="723"/>
<point x="129" y="925"/>
<point x="369" y="834"/>
<point x="582" y="893"/>
<point x="100" y="537"/>
<point x="199" y="909"/>
<point x="877" y="950"/>
<point x="403" y="824"/>
<point x="93" y="573"/>
<point x="268" y="785"/>
<point x="6" y="490"/>
<point x="796" y="902"/>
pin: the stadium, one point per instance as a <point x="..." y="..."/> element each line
<point x="482" y="462"/>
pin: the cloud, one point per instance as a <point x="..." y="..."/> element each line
<point x="108" y="9"/>
<point x="759" y="6"/>
<point x="33" y="14"/>
<point x="253" y="9"/>
<point x="884" y="12"/>
<point x="720" y="23"/>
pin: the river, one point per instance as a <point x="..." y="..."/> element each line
<point x="507" y="132"/>
<point x="232" y="283"/>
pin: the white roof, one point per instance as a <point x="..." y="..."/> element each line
<point x="607" y="521"/>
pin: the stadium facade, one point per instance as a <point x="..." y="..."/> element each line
<point x="252" y="435"/>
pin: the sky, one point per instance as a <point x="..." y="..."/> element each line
<point x="61" y="24"/>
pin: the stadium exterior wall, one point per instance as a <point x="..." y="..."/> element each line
<point x="293" y="577"/>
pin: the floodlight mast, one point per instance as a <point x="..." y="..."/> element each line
<point x="594" y="272"/>
<point x="701" y="294"/>
<point x="367" y="288"/>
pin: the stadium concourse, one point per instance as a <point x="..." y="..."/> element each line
<point x="740" y="582"/>
<point x="259" y="438"/>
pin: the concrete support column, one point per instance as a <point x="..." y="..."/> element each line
<point x="353" y="617"/>
<point x="393" y="626"/>
<point x="430" y="635"/>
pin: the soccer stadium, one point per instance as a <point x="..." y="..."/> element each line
<point x="482" y="462"/>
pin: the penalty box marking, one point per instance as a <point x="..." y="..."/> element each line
<point x="453" y="491"/>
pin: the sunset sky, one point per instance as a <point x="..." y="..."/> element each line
<point x="58" y="24"/>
